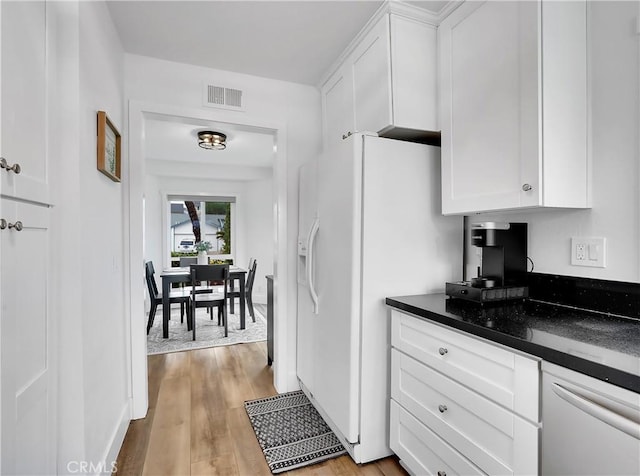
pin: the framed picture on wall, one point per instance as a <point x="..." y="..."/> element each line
<point x="108" y="148"/>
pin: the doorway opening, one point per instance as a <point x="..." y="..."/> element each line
<point x="147" y="163"/>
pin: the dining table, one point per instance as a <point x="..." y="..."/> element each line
<point x="183" y="275"/>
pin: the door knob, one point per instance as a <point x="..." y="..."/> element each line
<point x="17" y="225"/>
<point x="15" y="168"/>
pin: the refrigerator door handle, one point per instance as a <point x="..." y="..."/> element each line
<point x="604" y="414"/>
<point x="311" y="265"/>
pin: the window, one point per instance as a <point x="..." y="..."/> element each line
<point x="195" y="219"/>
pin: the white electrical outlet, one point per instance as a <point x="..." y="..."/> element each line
<point x="588" y="251"/>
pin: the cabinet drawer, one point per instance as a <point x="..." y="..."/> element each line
<point x="492" y="437"/>
<point x="422" y="450"/>
<point x="503" y="376"/>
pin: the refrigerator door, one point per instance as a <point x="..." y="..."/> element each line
<point x="307" y="215"/>
<point x="336" y="373"/>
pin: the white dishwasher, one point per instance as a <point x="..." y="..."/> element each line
<point x="589" y="427"/>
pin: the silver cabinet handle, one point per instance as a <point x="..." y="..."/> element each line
<point x="348" y="134"/>
<point x="442" y="408"/>
<point x="17" y="225"/>
<point x="442" y="351"/>
<point x="526" y="187"/>
<point x="442" y="473"/>
<point x="15" y="168"/>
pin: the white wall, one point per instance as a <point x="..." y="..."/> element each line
<point x="253" y="228"/>
<point x="88" y="242"/>
<point x="296" y="107"/>
<point x="614" y="142"/>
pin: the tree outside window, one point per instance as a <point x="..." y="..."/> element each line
<point x="193" y="221"/>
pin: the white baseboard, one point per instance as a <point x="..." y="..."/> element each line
<point x="117" y="438"/>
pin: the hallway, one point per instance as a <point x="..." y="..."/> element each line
<point x="197" y="425"/>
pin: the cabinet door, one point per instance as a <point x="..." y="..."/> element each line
<point x="337" y="98"/>
<point x="372" y="79"/>
<point x="23" y="87"/>
<point x="489" y="107"/>
<point x="26" y="345"/>
<point x="413" y="72"/>
<point x="421" y="450"/>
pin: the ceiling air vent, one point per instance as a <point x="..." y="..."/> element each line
<point x="225" y="98"/>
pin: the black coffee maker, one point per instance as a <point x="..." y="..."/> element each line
<point x="504" y="264"/>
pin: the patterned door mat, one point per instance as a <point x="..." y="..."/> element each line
<point x="291" y="432"/>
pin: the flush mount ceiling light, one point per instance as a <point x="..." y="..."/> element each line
<point x="212" y="140"/>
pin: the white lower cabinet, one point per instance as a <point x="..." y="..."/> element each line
<point x="421" y="450"/>
<point x="27" y="360"/>
<point x="447" y="415"/>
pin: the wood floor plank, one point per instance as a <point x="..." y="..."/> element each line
<point x="247" y="450"/>
<point x="210" y="437"/>
<point x="391" y="466"/>
<point x="197" y="424"/>
<point x="236" y="388"/>
<point x="254" y="365"/>
<point x="221" y="466"/>
<point x="134" y="448"/>
<point x="169" y="450"/>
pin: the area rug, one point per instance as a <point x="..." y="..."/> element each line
<point x="291" y="432"/>
<point x="208" y="332"/>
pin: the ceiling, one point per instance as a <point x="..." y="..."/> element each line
<point x="294" y="41"/>
<point x="176" y="139"/>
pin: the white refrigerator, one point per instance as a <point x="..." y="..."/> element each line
<point x="370" y="226"/>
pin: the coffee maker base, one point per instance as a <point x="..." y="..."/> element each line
<point x="464" y="290"/>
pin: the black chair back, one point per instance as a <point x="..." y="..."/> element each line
<point x="251" y="277"/>
<point x="151" y="282"/>
<point x="209" y="272"/>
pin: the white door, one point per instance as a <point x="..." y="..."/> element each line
<point x="488" y="53"/>
<point x="24" y="99"/>
<point x="337" y="102"/>
<point x="27" y="364"/>
<point x="27" y="367"/>
<point x="336" y="373"/>
<point x="372" y="79"/>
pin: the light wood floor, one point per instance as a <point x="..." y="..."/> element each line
<point x="197" y="425"/>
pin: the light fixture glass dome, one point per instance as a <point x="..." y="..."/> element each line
<point x="212" y="140"/>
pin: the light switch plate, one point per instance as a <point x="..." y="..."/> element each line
<point x="588" y="251"/>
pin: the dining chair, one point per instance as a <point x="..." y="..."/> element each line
<point x="248" y="289"/>
<point x="180" y="296"/>
<point x="234" y="291"/>
<point x="209" y="272"/>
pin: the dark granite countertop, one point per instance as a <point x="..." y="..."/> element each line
<point x="606" y="347"/>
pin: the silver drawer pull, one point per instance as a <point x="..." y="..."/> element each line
<point x="442" y="473"/>
<point x="442" y="351"/>
<point x="17" y="225"/>
<point x="442" y="408"/>
<point x="526" y="187"/>
<point x="15" y="168"/>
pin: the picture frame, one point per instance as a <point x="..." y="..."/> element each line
<point x="109" y="148"/>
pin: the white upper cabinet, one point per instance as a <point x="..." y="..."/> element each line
<point x="337" y="103"/>
<point x="513" y="106"/>
<point x="386" y="83"/>
<point x="23" y="101"/>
